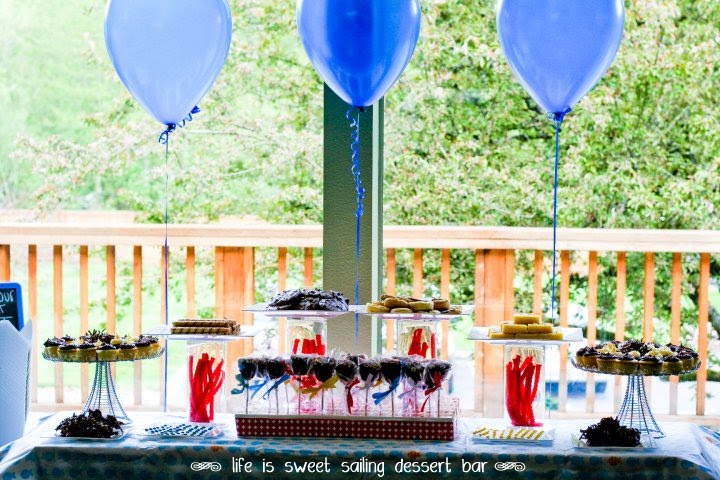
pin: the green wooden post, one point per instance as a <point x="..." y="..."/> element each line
<point x="339" y="219"/>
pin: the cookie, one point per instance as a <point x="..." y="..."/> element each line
<point x="421" y="306"/>
<point x="375" y="308"/>
<point x="401" y="310"/>
<point x="441" y="304"/>
<point x="395" y="302"/>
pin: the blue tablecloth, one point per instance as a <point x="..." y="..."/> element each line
<point x="688" y="452"/>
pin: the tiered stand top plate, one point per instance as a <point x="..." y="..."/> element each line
<point x="74" y="360"/>
<point x="246" y="331"/>
<point x="636" y="374"/>
<point x="570" y="335"/>
<point x="260" y="309"/>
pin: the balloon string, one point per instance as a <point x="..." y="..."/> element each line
<point x="165" y="264"/>
<point x="164" y="139"/>
<point x="171" y="127"/>
<point x="359" y="209"/>
<point x="558" y="119"/>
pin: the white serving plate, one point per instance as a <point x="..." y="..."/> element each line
<point x="482" y="334"/>
<point x="260" y="309"/>
<point x="465" y="310"/>
<point x="246" y="331"/>
<point x="546" y="438"/>
<point x="56" y="434"/>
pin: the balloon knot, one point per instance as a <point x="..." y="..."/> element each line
<point x="165" y="135"/>
<point x="362" y="109"/>
<point x="558" y="117"/>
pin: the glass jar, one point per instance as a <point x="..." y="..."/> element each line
<point x="306" y="335"/>
<point x="417" y="337"/>
<point x="524" y="368"/>
<point x="206" y="380"/>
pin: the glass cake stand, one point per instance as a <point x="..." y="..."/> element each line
<point x="102" y="394"/>
<point x="635" y="409"/>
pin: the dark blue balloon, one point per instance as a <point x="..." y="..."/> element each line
<point x="168" y="53"/>
<point x="559" y="49"/>
<point x="359" y="47"/>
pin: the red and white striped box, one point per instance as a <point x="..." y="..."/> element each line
<point x="328" y="426"/>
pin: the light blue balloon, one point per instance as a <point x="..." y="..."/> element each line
<point x="168" y="53"/>
<point x="359" y="47"/>
<point x="559" y="49"/>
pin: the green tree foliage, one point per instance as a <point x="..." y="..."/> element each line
<point x="465" y="144"/>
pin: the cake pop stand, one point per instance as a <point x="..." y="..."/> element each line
<point x="102" y="394"/>
<point x="635" y="409"/>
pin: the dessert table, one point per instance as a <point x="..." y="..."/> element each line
<point x="688" y="452"/>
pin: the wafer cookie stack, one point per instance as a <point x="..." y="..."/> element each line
<point x="188" y="326"/>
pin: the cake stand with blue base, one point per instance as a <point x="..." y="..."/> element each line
<point x="635" y="409"/>
<point x="102" y="395"/>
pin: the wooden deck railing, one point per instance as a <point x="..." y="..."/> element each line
<point x="495" y="251"/>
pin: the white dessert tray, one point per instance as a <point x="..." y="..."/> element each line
<point x="261" y="310"/>
<point x="465" y="310"/>
<point x="246" y="331"/>
<point x="482" y="334"/>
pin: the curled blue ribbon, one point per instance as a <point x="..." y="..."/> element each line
<point x="246" y="386"/>
<point x="359" y="208"/>
<point x="558" y="119"/>
<point x="171" y="127"/>
<point x="380" y="396"/>
<point x="279" y="382"/>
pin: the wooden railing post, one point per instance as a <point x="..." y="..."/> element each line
<point x="390" y="276"/>
<point x="58" y="316"/>
<point x="703" y="318"/>
<point x="84" y="314"/>
<point x="418" y="273"/>
<point x="675" y="323"/>
<point x="564" y="304"/>
<point x="620" y="317"/>
<point x="445" y="293"/>
<point x="32" y="306"/>
<point x="592" y="325"/>
<point x="238" y="292"/>
<point x="137" y="279"/>
<point x="4" y="263"/>
<point x="282" y="286"/>
<point x="494" y="300"/>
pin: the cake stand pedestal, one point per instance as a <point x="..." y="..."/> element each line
<point x="102" y="394"/>
<point x="635" y="410"/>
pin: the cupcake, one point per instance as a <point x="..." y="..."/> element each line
<point x="68" y="352"/>
<point x="686" y="360"/>
<point x="127" y="351"/>
<point x="631" y="345"/>
<point x="695" y="358"/>
<point x="51" y="347"/>
<point x="86" y="352"/>
<point x="590" y="358"/>
<point x="607" y="363"/>
<point x="143" y="348"/>
<point x="116" y="342"/>
<point x="672" y="366"/>
<point x="68" y="339"/>
<point x="580" y="357"/>
<point x="627" y="364"/>
<point x="106" y="353"/>
<point x="155" y="347"/>
<point x="650" y="365"/>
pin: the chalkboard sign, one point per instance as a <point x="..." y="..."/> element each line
<point x="11" y="304"/>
